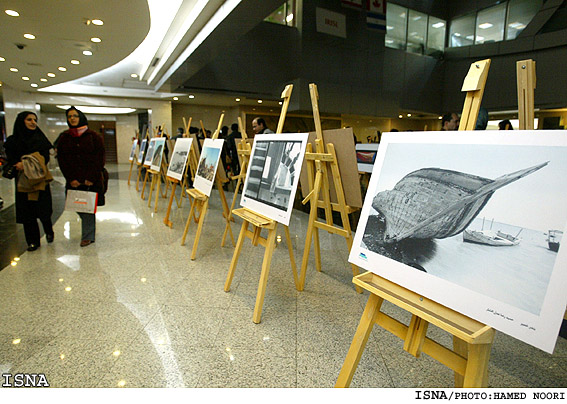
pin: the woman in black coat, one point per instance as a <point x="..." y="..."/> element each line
<point x="27" y="138"/>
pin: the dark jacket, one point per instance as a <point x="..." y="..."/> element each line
<point x="82" y="158"/>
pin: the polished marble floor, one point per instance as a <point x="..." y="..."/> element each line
<point x="133" y="310"/>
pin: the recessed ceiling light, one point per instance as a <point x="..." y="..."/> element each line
<point x="13" y="69"/>
<point x="26" y="78"/>
<point x="2" y="59"/>
<point x="12" y="13"/>
<point x="51" y="74"/>
<point x="99" y="110"/>
<point x="43" y="79"/>
<point x="175" y="98"/>
<point x="289" y="18"/>
<point x="133" y="75"/>
<point x="281" y="102"/>
<point x="75" y="62"/>
<point x="95" y="39"/>
<point x="62" y="69"/>
<point x="485" y="25"/>
<point x="237" y="100"/>
<point x="191" y="96"/>
<point x="87" y="53"/>
<point x="97" y="22"/>
<point x="260" y="101"/>
<point x="34" y="85"/>
<point x="409" y="115"/>
<point x="400" y="116"/>
<point x="29" y="36"/>
<point x="438" y="25"/>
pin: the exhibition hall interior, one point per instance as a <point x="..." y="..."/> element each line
<point x="295" y="194"/>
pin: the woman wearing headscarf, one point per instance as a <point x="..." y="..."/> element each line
<point x="26" y="140"/>
<point x="80" y="152"/>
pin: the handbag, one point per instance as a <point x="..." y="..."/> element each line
<point x="81" y="201"/>
<point x="9" y="171"/>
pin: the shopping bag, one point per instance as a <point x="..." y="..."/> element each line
<point x="81" y="201"/>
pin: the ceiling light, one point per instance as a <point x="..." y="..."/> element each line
<point x="97" y="22"/>
<point x="400" y="116"/>
<point x="62" y="69"/>
<point x="29" y="36"/>
<point x="13" y="69"/>
<point x="191" y="96"/>
<point x="237" y="99"/>
<point x="2" y="59"/>
<point x="457" y="34"/>
<point x="87" y="53"/>
<point x="12" y="13"/>
<point x="517" y="25"/>
<point x="289" y="18"/>
<point x="33" y="85"/>
<point x="175" y="98"/>
<point x="485" y="25"/>
<point x="409" y="115"/>
<point x="43" y="79"/>
<point x="95" y="39"/>
<point x="51" y="74"/>
<point x="75" y="62"/>
<point x="25" y="78"/>
<point x="133" y="75"/>
<point x="260" y="101"/>
<point x="438" y="25"/>
<point x="389" y="27"/>
<point x="281" y="103"/>
<point x="99" y="110"/>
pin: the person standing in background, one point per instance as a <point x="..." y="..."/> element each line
<point x="27" y="138"/>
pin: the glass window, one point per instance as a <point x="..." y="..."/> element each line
<point x="462" y="31"/>
<point x="490" y="24"/>
<point x="284" y="14"/>
<point x="520" y="13"/>
<point x="436" y="36"/>
<point x="417" y="30"/>
<point x="396" y="22"/>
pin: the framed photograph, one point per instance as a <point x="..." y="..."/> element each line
<point x="473" y="220"/>
<point x="207" y="167"/>
<point x="158" y="153"/>
<point x="150" y="153"/>
<point x="133" y="150"/>
<point x="179" y="157"/>
<point x="366" y="156"/>
<point x="273" y="174"/>
<point x="142" y="151"/>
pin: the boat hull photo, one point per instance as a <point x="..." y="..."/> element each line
<point x="491" y="238"/>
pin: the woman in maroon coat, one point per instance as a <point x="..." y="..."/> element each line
<point x="80" y="152"/>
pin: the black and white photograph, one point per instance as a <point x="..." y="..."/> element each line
<point x="133" y="150"/>
<point x="158" y="153"/>
<point x="142" y="151"/>
<point x="474" y="222"/>
<point x="150" y="152"/>
<point x="207" y="168"/>
<point x="179" y="158"/>
<point x="273" y="174"/>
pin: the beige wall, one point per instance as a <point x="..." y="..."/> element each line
<point x="126" y="127"/>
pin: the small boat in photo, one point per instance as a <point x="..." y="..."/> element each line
<point x="554" y="239"/>
<point x="490" y="237"/>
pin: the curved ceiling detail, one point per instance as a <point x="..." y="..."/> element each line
<point x="126" y="24"/>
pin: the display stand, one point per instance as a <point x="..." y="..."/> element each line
<point x="243" y="150"/>
<point x="319" y="163"/>
<point x="258" y="223"/>
<point x="132" y="162"/>
<point x="157" y="177"/>
<point x="200" y="202"/>
<point x="526" y="76"/>
<point x="157" y="133"/>
<point x="140" y="165"/>
<point x="472" y="340"/>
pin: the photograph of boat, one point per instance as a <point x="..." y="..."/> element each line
<point x="554" y="239"/>
<point x="489" y="237"/>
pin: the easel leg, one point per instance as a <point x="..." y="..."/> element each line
<point x="306" y="249"/>
<point x="152" y="186"/>
<point x="158" y="180"/>
<point x="199" y="228"/>
<point x="317" y="248"/>
<point x="369" y="317"/>
<point x="235" y="256"/>
<point x="144" y="186"/>
<point x="355" y="270"/>
<point x="291" y="257"/>
<point x="193" y="203"/>
<point x="476" y="374"/>
<point x="130" y="173"/>
<point x="460" y="347"/>
<point x="166" y="221"/>
<point x="264" y="275"/>
<point x="138" y="178"/>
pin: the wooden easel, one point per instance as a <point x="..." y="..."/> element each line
<point x="157" y="176"/>
<point x="472" y="340"/>
<point x="243" y="150"/>
<point x="526" y="76"/>
<point x="200" y="202"/>
<point x="157" y="133"/>
<point x="133" y="158"/>
<point x="319" y="163"/>
<point x="140" y="165"/>
<point x="258" y="223"/>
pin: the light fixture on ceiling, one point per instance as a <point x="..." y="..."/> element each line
<point x="34" y="85"/>
<point x="2" y="59"/>
<point x="485" y="25"/>
<point x="43" y="79"/>
<point x="97" y="22"/>
<point x="51" y="74"/>
<point x="409" y="115"/>
<point x="96" y="40"/>
<point x="237" y="100"/>
<point x="281" y="102"/>
<point x="289" y="18"/>
<point x="99" y="110"/>
<point x="87" y="53"/>
<point x="62" y="69"/>
<point x="134" y="75"/>
<point x="175" y="98"/>
<point x="75" y="62"/>
<point x="400" y="116"/>
<point x="12" y="13"/>
<point x="438" y="25"/>
<point x="25" y="78"/>
<point x="260" y="101"/>
<point x="13" y="69"/>
<point x="29" y="36"/>
<point x="191" y="96"/>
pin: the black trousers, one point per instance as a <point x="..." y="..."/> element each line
<point x="31" y="230"/>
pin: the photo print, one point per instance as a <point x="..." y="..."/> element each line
<point x="366" y="156"/>
<point x="142" y="151"/>
<point x="158" y="153"/>
<point x="133" y="150"/>
<point x="150" y="152"/>
<point x="207" y="168"/>
<point x="273" y="174"/>
<point x="179" y="158"/>
<point x="469" y="220"/>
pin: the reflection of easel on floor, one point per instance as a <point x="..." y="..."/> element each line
<point x="526" y="77"/>
<point x="472" y="340"/>
<point x="200" y="202"/>
<point x="258" y="223"/>
<point x="319" y="163"/>
<point x="243" y="150"/>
